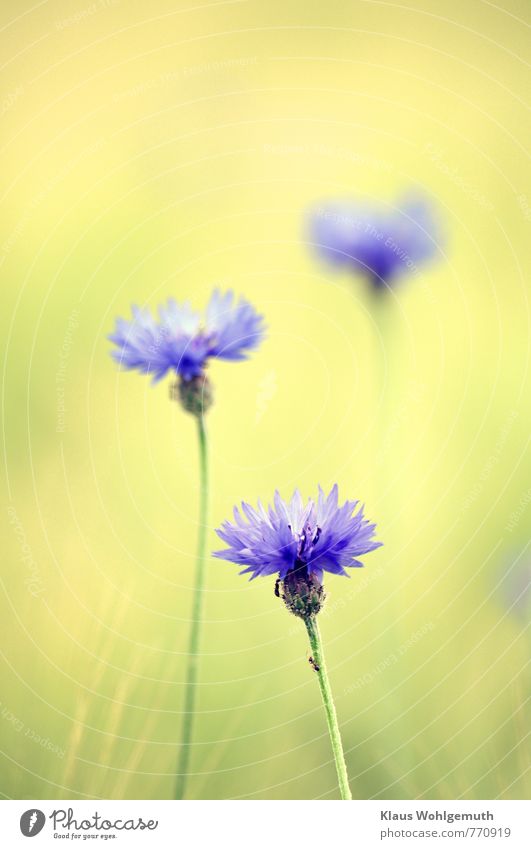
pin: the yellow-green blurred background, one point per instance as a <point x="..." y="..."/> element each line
<point x="156" y="149"/>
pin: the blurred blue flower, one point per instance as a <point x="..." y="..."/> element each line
<point x="312" y="537"/>
<point x="516" y="586"/>
<point x="184" y="340"/>
<point x="381" y="243"/>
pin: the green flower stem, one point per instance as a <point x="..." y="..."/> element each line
<point x="197" y="612"/>
<point x="331" y="717"/>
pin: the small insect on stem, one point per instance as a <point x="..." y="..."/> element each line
<point x="313" y="664"/>
<point x="277" y="587"/>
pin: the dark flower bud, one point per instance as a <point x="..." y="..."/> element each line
<point x="195" y="395"/>
<point x="301" y="592"/>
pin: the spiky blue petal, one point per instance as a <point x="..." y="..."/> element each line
<point x="320" y="535"/>
<point x="183" y="340"/>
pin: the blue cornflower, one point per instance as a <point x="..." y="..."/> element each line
<point x="182" y="340"/>
<point x="380" y="243"/>
<point x="298" y="542"/>
<point x="307" y="538"/>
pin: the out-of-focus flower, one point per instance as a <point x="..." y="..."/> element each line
<point x="182" y="340"/>
<point x="309" y="538"/>
<point x="516" y="586"/>
<point x="380" y="243"/>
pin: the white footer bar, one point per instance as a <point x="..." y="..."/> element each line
<point x="267" y="824"/>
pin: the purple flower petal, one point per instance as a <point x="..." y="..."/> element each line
<point x="382" y="243"/>
<point x="184" y="341"/>
<point x="322" y="536"/>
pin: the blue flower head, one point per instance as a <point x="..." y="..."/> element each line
<point x="312" y="538"/>
<point x="383" y="244"/>
<point x="183" y="341"/>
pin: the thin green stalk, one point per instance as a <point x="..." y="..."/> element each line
<point x="331" y="717"/>
<point x="197" y="612"/>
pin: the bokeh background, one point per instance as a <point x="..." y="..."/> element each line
<point x="154" y="150"/>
